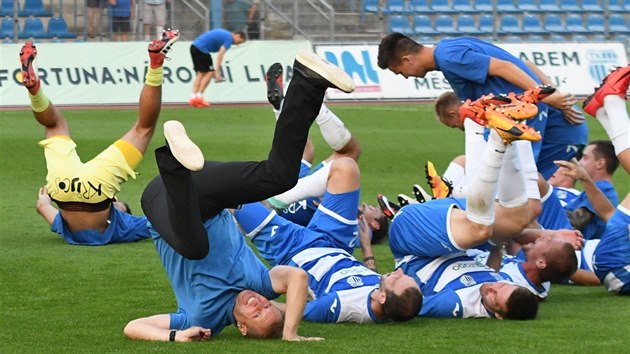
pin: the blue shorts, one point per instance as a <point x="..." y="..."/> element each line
<point x="550" y="152"/>
<point x="611" y="259"/>
<point x="334" y="224"/>
<point x="422" y="230"/>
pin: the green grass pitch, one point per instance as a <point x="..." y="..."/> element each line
<point x="58" y="298"/>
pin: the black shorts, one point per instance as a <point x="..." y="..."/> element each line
<point x="97" y="3"/>
<point x="121" y="24"/>
<point x="202" y="62"/>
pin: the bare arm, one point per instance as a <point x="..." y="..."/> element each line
<point x="294" y="283"/>
<point x="603" y="207"/>
<point x="495" y="257"/>
<point x="584" y="277"/>
<point x="574" y="237"/>
<point x="157" y="328"/>
<point x="45" y="207"/>
<point x="366" y="244"/>
<point x="544" y="79"/>
<point x="511" y="73"/>
<point x="217" y="68"/>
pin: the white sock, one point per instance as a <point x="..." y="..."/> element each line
<point x="313" y="185"/>
<point x="529" y="169"/>
<point x="511" y="189"/>
<point x="333" y="130"/>
<point x="482" y="187"/>
<point x="614" y="119"/>
<point x="475" y="146"/>
<point x="454" y="173"/>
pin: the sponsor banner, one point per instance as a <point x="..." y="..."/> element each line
<point x="573" y="67"/>
<point x="113" y="73"/>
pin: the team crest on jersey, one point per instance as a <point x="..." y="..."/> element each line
<point x="467" y="280"/>
<point x="355" y="281"/>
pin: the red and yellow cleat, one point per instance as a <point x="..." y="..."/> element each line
<point x="440" y="188"/>
<point x="616" y="83"/>
<point x="508" y="129"/>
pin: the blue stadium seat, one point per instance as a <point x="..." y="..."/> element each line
<point x="598" y="38"/>
<point x="617" y="24"/>
<point x="622" y="38"/>
<point x="483" y="5"/>
<point x="395" y="7"/>
<point x="536" y="38"/>
<point x="579" y="38"/>
<point x="34" y="8"/>
<point x="570" y="6"/>
<point x="592" y="6"/>
<point x="509" y="25"/>
<point x="626" y="5"/>
<point x="441" y="6"/>
<point x="6" y="8"/>
<point x="398" y="23"/>
<point x="486" y="24"/>
<point x="57" y="27"/>
<point x="6" y="28"/>
<point x="512" y="39"/>
<point x="575" y="24"/>
<point x="370" y="6"/>
<point x="596" y="23"/>
<point x="506" y="6"/>
<point x="463" y="6"/>
<point x="467" y="26"/>
<point x="444" y="25"/>
<point x="556" y="38"/>
<point x="528" y="6"/>
<point x="423" y="26"/>
<point x="33" y="28"/>
<point x="614" y="6"/>
<point x="553" y="24"/>
<point x="420" y="6"/>
<point x="425" y="40"/>
<point x="549" y="6"/>
<point x="532" y="25"/>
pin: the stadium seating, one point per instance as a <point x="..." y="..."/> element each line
<point x="399" y="23"/>
<point x="557" y="38"/>
<point x="6" y="28"/>
<point x="579" y="38"/>
<point x="34" y="8"/>
<point x="615" y="6"/>
<point x="486" y="24"/>
<point x="592" y="6"/>
<point x="466" y="25"/>
<point x="622" y="38"/>
<point x="396" y="7"/>
<point x="506" y="6"/>
<point x="553" y="24"/>
<point x="441" y="6"/>
<point x="575" y="24"/>
<point x="528" y="6"/>
<point x="570" y="6"/>
<point x="598" y="38"/>
<point x="6" y="8"/>
<point x="422" y="25"/>
<point x="420" y="6"/>
<point x="536" y="38"/>
<point x="483" y="5"/>
<point x="370" y="6"/>
<point x="463" y="6"/>
<point x="532" y="25"/>
<point x="595" y="23"/>
<point x="444" y="25"/>
<point x="513" y="39"/>
<point x="549" y="6"/>
<point x="509" y="25"/>
<point x="33" y="28"/>
<point x="617" y="24"/>
<point x="58" y="28"/>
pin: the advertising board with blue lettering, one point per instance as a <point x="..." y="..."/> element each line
<point x="572" y="67"/>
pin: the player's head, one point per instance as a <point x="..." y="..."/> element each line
<point x="256" y="316"/>
<point x="599" y="155"/>
<point x="447" y="110"/>
<point x="560" y="179"/>
<point x="122" y="206"/>
<point x="400" y="296"/>
<point x="553" y="257"/>
<point x="396" y="52"/>
<point x="238" y="37"/>
<point x="378" y="222"/>
<point x="509" y="301"/>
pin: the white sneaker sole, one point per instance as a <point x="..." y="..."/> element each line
<point x="182" y="148"/>
<point x="328" y="71"/>
<point x="167" y="46"/>
<point x="418" y="189"/>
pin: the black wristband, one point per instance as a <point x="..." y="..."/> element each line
<point x="368" y="258"/>
<point x="171" y="336"/>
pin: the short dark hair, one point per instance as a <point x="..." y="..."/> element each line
<point x="127" y="206"/>
<point x="561" y="263"/>
<point x="403" y="307"/>
<point x="242" y="34"/>
<point x="604" y="149"/>
<point x="522" y="305"/>
<point x="444" y="102"/>
<point x="380" y="235"/>
<point x="393" y="47"/>
<point x="274" y="331"/>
